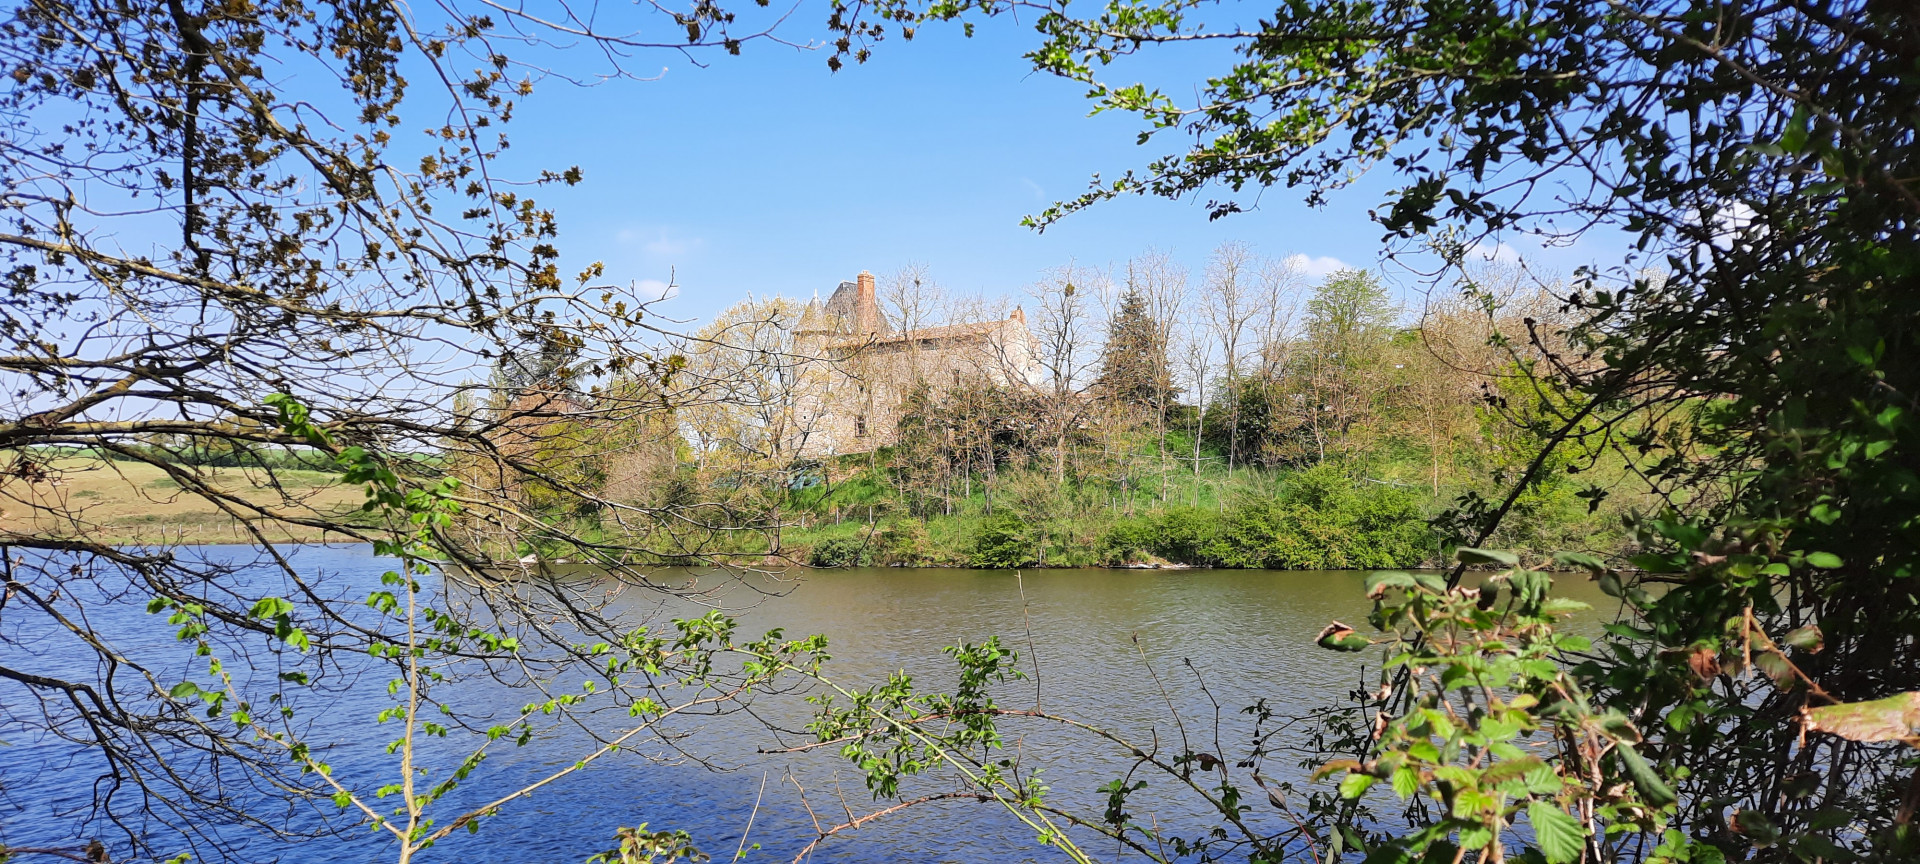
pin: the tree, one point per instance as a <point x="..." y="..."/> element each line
<point x="548" y="361"/>
<point x="1349" y="309"/>
<point x="1335" y="379"/>
<point x="1348" y="322"/>
<point x="1229" y="305"/>
<point x="923" y="451"/>
<point x="1280" y="282"/>
<point x="1156" y="277"/>
<point x="1196" y="362"/>
<point x="914" y="301"/>
<point x="1135" y="388"/>
<point x="221" y="232"/>
<point x="1133" y="362"/>
<point x="1064" y="343"/>
<point x="767" y="387"/>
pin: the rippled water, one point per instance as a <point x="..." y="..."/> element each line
<point x="1112" y="647"/>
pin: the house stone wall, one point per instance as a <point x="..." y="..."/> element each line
<point x="872" y="368"/>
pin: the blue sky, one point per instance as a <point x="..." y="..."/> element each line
<point x="766" y="173"/>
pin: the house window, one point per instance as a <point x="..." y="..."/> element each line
<point x="860" y="426"/>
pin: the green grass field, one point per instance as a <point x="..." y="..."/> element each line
<point x="136" y="503"/>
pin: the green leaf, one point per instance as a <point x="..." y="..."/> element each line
<point x="1793" y="139"/>
<point x="1475" y="836"/>
<point x="1379" y="583"/>
<point x="1591" y="563"/>
<point x="1829" y="818"/>
<point x="1757" y="827"/>
<point x="1617" y="725"/>
<point x="1511" y="769"/>
<point x="1808" y="639"/>
<point x="1813" y="847"/>
<point x="1406" y="782"/>
<point x="1355" y="785"/>
<point x="1340" y="637"/>
<point x="1470" y="555"/>
<point x="270" y="607"/>
<point x="1655" y="563"/>
<point x="1562" y="606"/>
<point x="1390" y="853"/>
<point x="1775" y="667"/>
<point x="1543" y="780"/>
<point x="1824" y="560"/>
<point x="1559" y="835"/>
<point x="1352" y="839"/>
<point x="184" y="690"/>
<point x="1652" y="788"/>
<point x="1895" y="718"/>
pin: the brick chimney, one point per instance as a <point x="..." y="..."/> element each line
<point x="866" y="306"/>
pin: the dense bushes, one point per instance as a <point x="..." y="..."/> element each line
<point x="1321" y="520"/>
<point x="1005" y="542"/>
<point x="842" y="552"/>
<point x="1315" y="519"/>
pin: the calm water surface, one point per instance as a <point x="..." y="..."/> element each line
<point x="1121" y="649"/>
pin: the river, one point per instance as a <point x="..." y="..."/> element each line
<point x="1123" y="649"/>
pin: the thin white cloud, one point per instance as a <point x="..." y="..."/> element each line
<point x="660" y="244"/>
<point x="654" y="289"/>
<point x="1316" y="265"/>
<point x="1496" y="252"/>
<point x="1039" y="193"/>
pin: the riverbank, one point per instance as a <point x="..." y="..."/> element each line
<point x="1367" y="514"/>
<point x="1314" y="520"/>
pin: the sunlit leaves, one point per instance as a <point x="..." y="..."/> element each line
<point x="1487" y="673"/>
<point x="1560" y="837"/>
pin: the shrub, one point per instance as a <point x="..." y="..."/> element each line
<point x="905" y="541"/>
<point x="1183" y="535"/>
<point x="1005" y="542"/>
<point x="842" y="552"/>
<point x="1127" y="540"/>
<point x="1188" y="536"/>
<point x="1321" y="520"/>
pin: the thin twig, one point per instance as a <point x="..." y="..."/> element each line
<point x="1033" y="653"/>
<point x="741" y="850"/>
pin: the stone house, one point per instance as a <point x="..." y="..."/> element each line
<point x="871" y="366"/>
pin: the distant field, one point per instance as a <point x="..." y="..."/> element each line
<point x="130" y="502"/>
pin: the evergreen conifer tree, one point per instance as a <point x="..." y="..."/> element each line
<point x="1133" y="368"/>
